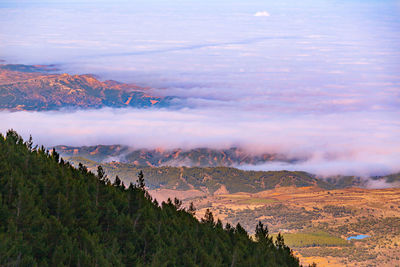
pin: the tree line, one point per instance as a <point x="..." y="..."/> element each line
<point x="52" y="214"/>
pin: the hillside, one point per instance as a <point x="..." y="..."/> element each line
<point x="54" y="214"/>
<point x="316" y="222"/>
<point x="197" y="157"/>
<point x="207" y="179"/>
<point x="124" y="160"/>
<point x="25" y="87"/>
<point x="315" y="215"/>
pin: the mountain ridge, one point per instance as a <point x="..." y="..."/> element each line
<point x="196" y="157"/>
<point x="211" y="180"/>
<point x="125" y="158"/>
<point x="37" y="87"/>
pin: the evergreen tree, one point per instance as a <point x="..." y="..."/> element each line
<point x="279" y="242"/>
<point x="208" y="218"/>
<point x="117" y="181"/>
<point x="101" y="174"/>
<point x="192" y="209"/>
<point x="140" y="180"/>
<point x="52" y="214"/>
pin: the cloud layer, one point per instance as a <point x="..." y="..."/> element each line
<point x="318" y="80"/>
<point x="349" y="143"/>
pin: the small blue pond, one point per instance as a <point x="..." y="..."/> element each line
<point x="357" y="237"/>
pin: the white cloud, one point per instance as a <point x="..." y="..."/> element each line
<point x="353" y="143"/>
<point x="262" y="14"/>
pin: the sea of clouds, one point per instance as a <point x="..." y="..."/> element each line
<point x="312" y="79"/>
<point x="350" y="143"/>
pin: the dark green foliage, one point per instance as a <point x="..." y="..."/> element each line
<point x="52" y="214"/>
<point x="208" y="218"/>
<point x="140" y="180"/>
<point x="262" y="234"/>
<point x="192" y="209"/>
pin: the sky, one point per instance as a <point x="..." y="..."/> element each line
<point x="313" y="78"/>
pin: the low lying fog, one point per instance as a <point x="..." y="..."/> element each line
<point x="347" y="143"/>
<point x="312" y="79"/>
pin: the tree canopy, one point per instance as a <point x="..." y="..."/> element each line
<point x="52" y="214"/>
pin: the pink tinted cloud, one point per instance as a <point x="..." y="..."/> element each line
<point x="345" y="143"/>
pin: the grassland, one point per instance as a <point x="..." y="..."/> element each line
<point x="252" y="201"/>
<point x="316" y="222"/>
<point x="314" y="216"/>
<point x="313" y="239"/>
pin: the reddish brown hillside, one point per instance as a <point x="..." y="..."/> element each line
<point x="26" y="88"/>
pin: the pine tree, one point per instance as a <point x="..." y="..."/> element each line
<point x="117" y="181"/>
<point x="280" y="242"/>
<point x="55" y="155"/>
<point x="54" y="214"/>
<point x="192" y="209"/>
<point x="262" y="235"/>
<point x="101" y="175"/>
<point x="177" y="204"/>
<point x="140" y="181"/>
<point x="29" y="143"/>
<point x="208" y="218"/>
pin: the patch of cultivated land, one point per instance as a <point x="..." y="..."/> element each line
<point x="316" y="222"/>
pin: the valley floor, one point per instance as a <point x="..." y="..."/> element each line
<point x="315" y="222"/>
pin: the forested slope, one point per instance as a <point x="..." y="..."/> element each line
<point x="52" y="214"/>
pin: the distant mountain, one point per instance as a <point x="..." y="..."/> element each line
<point x="210" y="180"/>
<point x="167" y="165"/>
<point x="32" y="87"/>
<point x="199" y="157"/>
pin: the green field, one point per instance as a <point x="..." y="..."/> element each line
<point x="313" y="239"/>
